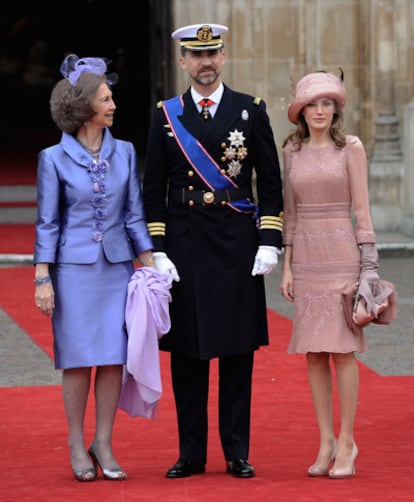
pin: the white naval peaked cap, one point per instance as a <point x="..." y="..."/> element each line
<point x="200" y="37"/>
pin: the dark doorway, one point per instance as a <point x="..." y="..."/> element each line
<point x="35" y="37"/>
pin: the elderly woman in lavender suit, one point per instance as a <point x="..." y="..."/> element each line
<point x="90" y="228"/>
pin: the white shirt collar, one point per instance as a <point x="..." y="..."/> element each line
<point x="215" y="96"/>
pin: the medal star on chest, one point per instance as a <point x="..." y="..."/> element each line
<point x="236" y="138"/>
<point x="234" y="168"/>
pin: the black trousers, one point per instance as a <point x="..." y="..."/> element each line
<point x="190" y="380"/>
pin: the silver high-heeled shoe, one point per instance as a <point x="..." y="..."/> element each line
<point x="111" y="474"/>
<point x="85" y="475"/>
<point x="348" y="471"/>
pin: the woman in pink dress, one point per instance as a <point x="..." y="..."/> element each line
<point x="328" y="241"/>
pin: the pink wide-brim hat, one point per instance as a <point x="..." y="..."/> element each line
<point x="313" y="86"/>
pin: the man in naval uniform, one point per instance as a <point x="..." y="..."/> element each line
<point x="217" y="236"/>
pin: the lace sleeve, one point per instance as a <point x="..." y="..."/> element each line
<point x="358" y="180"/>
<point x="289" y="211"/>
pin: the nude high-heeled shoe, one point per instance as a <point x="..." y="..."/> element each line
<point x="316" y="470"/>
<point x="348" y="471"/>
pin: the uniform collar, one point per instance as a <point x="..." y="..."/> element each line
<point x="215" y="96"/>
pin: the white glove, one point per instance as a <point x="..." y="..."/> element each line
<point x="265" y="260"/>
<point x="165" y="266"/>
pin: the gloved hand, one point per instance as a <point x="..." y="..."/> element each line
<point x="265" y="260"/>
<point x="369" y="262"/>
<point x="369" y="281"/>
<point x="165" y="266"/>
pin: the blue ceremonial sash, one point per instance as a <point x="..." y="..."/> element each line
<point x="199" y="158"/>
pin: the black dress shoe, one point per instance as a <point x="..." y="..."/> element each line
<point x="240" y="468"/>
<point x="183" y="469"/>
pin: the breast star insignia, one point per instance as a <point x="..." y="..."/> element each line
<point x="230" y="153"/>
<point x="236" y="138"/>
<point x="234" y="168"/>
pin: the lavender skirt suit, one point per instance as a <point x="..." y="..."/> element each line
<point x="90" y="226"/>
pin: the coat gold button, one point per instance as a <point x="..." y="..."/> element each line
<point x="208" y="197"/>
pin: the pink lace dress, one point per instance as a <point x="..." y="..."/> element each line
<point x="326" y="216"/>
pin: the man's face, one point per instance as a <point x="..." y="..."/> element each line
<point x="204" y="67"/>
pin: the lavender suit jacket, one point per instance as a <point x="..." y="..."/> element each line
<point x="65" y="214"/>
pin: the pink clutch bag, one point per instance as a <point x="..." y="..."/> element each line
<point x="357" y="313"/>
<point x="362" y="316"/>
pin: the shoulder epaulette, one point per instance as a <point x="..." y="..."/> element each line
<point x="257" y="101"/>
<point x="159" y="104"/>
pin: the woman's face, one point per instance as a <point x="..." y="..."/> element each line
<point x="104" y="107"/>
<point x="319" y="113"/>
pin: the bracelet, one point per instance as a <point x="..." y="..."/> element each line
<point x="42" y="280"/>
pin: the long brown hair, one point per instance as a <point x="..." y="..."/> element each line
<point x="336" y="131"/>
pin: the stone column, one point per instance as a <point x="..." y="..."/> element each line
<point x="407" y="224"/>
<point x="386" y="165"/>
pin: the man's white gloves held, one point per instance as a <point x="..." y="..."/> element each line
<point x="165" y="266"/>
<point x="265" y="260"/>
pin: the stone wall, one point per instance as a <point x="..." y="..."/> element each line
<point x="407" y="224"/>
<point x="271" y="42"/>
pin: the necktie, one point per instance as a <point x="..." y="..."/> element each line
<point x="205" y="103"/>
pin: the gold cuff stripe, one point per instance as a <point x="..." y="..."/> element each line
<point x="271" y="223"/>
<point x="156" y="228"/>
<point x="155" y="224"/>
<point x="271" y="219"/>
<point x="272" y="227"/>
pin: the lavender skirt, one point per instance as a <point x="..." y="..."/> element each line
<point x="89" y="316"/>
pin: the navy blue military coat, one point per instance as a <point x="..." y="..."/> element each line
<point x="217" y="308"/>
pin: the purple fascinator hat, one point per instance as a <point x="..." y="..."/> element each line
<point x="73" y="67"/>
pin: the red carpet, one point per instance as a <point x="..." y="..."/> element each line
<point x="18" y="203"/>
<point x="17" y="238"/>
<point x="34" y="460"/>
